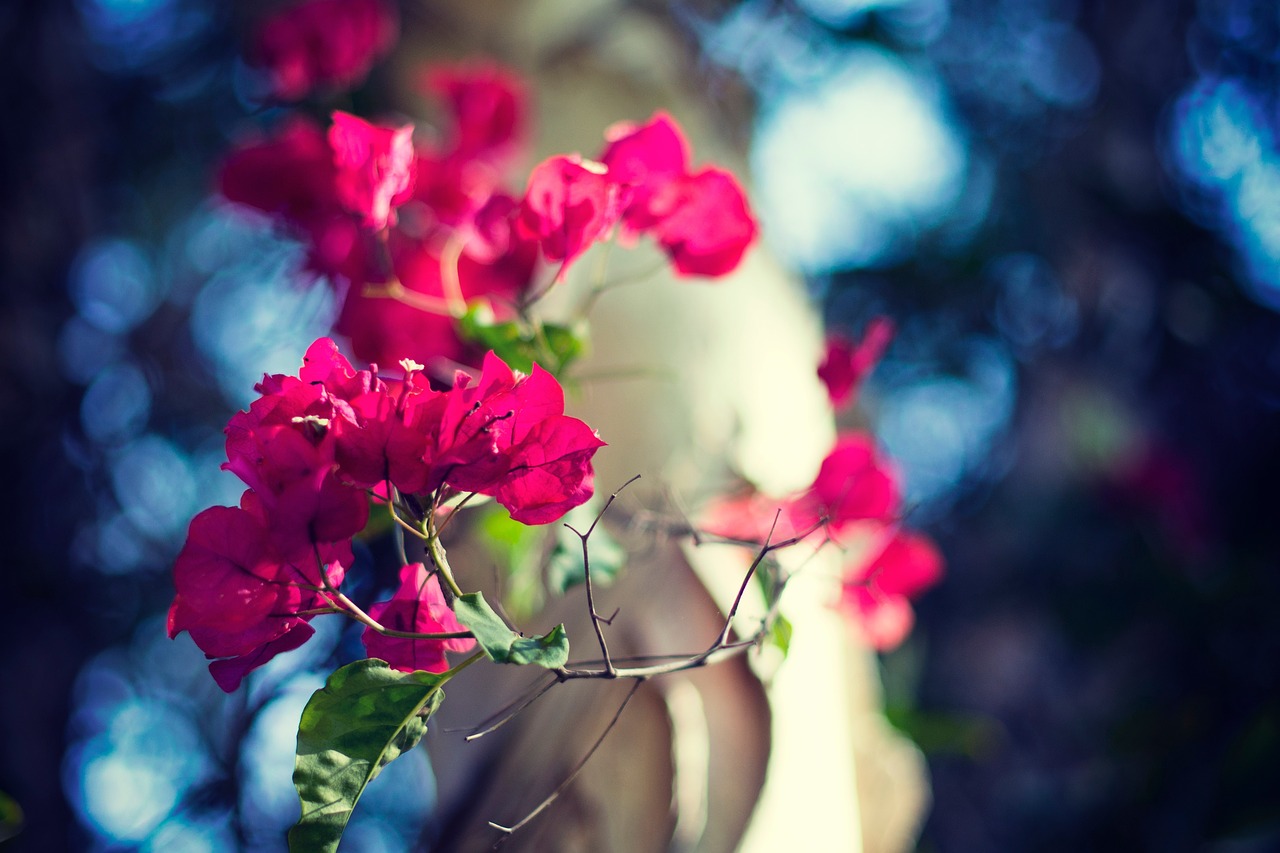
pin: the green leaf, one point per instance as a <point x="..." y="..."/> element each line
<point x="565" y="342"/>
<point x="365" y="716"/>
<point x="502" y="644"/>
<point x="564" y="569"/>
<point x="780" y="634"/>
<point x="553" y="346"/>
<point x="517" y="549"/>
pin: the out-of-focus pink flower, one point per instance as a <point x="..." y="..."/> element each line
<point x="383" y="330"/>
<point x="569" y="204"/>
<point x="323" y="44"/>
<point x="488" y="105"/>
<point x="855" y="483"/>
<point x="877" y="592"/>
<point x="708" y="227"/>
<point x="644" y="161"/>
<point x="846" y="363"/>
<point x="701" y="219"/>
<point x="374" y="167"/>
<point x="417" y="606"/>
<point x="291" y="175"/>
<point x="642" y="183"/>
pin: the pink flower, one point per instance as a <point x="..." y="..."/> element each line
<point x="283" y="450"/>
<point x="854" y="483"/>
<point x="846" y="363"/>
<point x="374" y="167"/>
<point x="385" y="330"/>
<point x="488" y="105"/>
<point x="323" y="44"/>
<point x="249" y="578"/>
<point x="336" y="428"/>
<point x="550" y="471"/>
<point x="877" y="593"/>
<point x="708" y="226"/>
<point x="418" y="606"/>
<point x="240" y="596"/>
<point x="568" y="205"/>
<point x="269" y="447"/>
<point x="291" y="175"/>
<point x="229" y="672"/>
<point x="645" y="161"/>
<point x="701" y="219"/>
<point x="507" y="436"/>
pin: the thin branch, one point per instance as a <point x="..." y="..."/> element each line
<point x="554" y="795"/>
<point x="509" y="712"/>
<point x="454" y="511"/>
<point x="594" y="294"/>
<point x="720" y="648"/>
<point x="746" y="580"/>
<point x="406" y="525"/>
<point x="435" y="550"/>
<point x="596" y="619"/>
<point x="394" y="290"/>
<point x="355" y="612"/>
<point x="397" y="529"/>
<point x="450" y="283"/>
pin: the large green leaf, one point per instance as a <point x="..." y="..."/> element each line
<point x="365" y="716"/>
<point x="504" y="645"/>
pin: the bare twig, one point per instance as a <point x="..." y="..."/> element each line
<point x="647" y="666"/>
<point x="596" y="618"/>
<point x="509" y="711"/>
<point x="560" y="789"/>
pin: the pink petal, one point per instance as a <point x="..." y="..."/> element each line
<point x="708" y="225"/>
<point x="644" y="161"/>
<point x="846" y="363"/>
<point x="568" y="205"/>
<point x="229" y="672"/>
<point x="418" y="606"/>
<point x="374" y="167"/>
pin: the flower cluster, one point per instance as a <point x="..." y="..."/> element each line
<point x="416" y="230"/>
<point x="643" y="184"/>
<point x="855" y="501"/>
<point x="312" y="447"/>
<point x="436" y="259"/>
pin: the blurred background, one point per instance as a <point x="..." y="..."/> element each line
<point x="1070" y="208"/>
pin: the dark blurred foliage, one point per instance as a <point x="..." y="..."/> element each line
<point x="1099" y="671"/>
<point x="1083" y="261"/>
